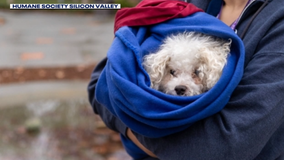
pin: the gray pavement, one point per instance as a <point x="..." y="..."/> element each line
<point x="19" y="94"/>
<point x="45" y="39"/>
<point x="34" y="38"/>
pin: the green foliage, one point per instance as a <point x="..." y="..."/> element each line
<point x="126" y="3"/>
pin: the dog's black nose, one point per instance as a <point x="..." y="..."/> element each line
<point x="180" y="90"/>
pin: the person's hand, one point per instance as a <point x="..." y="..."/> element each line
<point x="132" y="137"/>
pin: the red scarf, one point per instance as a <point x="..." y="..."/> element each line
<point x="149" y="12"/>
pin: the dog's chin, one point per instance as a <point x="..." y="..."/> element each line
<point x="174" y="93"/>
<point x="183" y="95"/>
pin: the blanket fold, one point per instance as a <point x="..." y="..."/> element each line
<point x="149" y="12"/>
<point x="124" y="86"/>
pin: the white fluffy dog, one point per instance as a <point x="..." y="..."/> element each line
<point x="187" y="64"/>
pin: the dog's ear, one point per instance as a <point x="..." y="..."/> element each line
<point x="213" y="61"/>
<point x="155" y="66"/>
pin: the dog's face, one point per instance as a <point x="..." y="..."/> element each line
<point x="182" y="77"/>
<point x="187" y="64"/>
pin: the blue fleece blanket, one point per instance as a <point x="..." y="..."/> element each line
<point x="124" y="86"/>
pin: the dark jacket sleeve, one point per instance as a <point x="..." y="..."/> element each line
<point x="251" y="126"/>
<point x="109" y="119"/>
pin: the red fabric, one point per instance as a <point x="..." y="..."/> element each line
<point x="149" y="12"/>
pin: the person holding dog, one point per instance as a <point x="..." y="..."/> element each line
<point x="251" y="125"/>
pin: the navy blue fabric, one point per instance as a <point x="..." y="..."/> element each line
<point x="123" y="86"/>
<point x="134" y="151"/>
<point x="214" y="7"/>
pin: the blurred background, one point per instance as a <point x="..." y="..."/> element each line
<point x="46" y="59"/>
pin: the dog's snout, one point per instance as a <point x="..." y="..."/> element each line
<point x="180" y="90"/>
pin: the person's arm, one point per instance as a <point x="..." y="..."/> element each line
<point x="132" y="137"/>
<point x="109" y="119"/>
<point x="251" y="126"/>
<point x="243" y="128"/>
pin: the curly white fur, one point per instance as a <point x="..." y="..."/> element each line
<point x="187" y="64"/>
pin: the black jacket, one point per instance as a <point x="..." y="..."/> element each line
<point x="251" y="126"/>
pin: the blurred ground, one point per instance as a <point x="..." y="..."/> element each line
<point x="28" y="74"/>
<point x="39" y="49"/>
<point x="68" y="130"/>
<point x="36" y="44"/>
<point x="46" y="57"/>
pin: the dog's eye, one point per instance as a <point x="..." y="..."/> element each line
<point x="196" y="72"/>
<point x="172" y="72"/>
